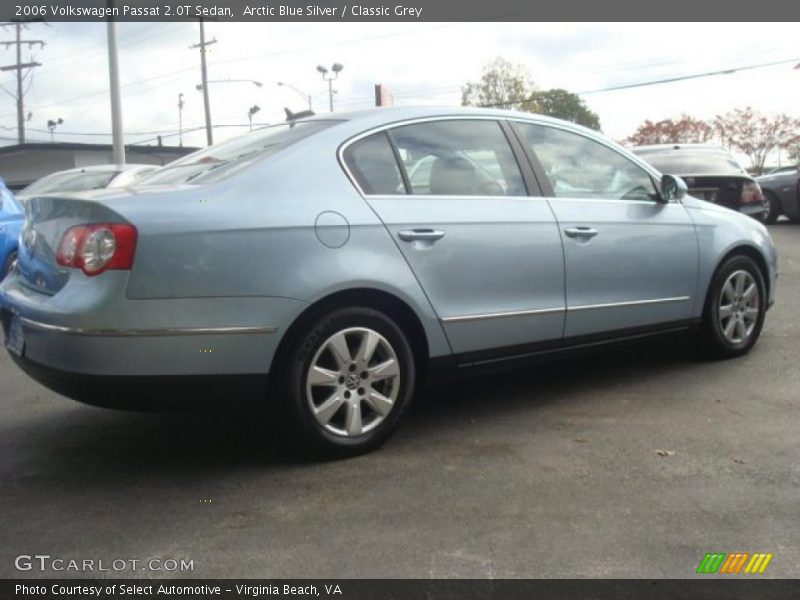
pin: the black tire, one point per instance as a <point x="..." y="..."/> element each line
<point x="294" y="401"/>
<point x="7" y="266"/>
<point x="715" y="341"/>
<point x="774" y="209"/>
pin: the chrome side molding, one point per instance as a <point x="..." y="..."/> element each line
<point x="166" y="332"/>
<point x="546" y="311"/>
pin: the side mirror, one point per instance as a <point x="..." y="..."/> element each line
<point x="672" y="188"/>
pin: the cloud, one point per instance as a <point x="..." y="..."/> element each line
<point x="421" y="63"/>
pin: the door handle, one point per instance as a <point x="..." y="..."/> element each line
<point x="428" y="235"/>
<point x="586" y="232"/>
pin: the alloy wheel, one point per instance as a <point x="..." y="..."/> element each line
<point x="353" y="382"/>
<point x="739" y="306"/>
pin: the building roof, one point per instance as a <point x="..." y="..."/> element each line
<point x="13" y="148"/>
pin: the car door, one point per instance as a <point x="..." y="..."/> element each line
<point x="452" y="194"/>
<point x="631" y="260"/>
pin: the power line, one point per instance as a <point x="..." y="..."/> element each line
<point x="685" y="77"/>
<point x="240" y="59"/>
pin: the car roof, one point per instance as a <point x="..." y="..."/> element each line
<point x="376" y="117"/>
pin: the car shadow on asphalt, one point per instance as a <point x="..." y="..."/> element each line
<point x="109" y="444"/>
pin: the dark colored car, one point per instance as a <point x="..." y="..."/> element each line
<point x="782" y="189"/>
<point x="711" y="173"/>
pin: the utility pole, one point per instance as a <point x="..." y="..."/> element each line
<point x="204" y="74"/>
<point x="18" y="67"/>
<point x="118" y="150"/>
<point x="180" y="119"/>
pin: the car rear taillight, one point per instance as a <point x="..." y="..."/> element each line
<point x="98" y="247"/>
<point x="751" y="193"/>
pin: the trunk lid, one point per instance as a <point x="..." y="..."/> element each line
<point x="47" y="218"/>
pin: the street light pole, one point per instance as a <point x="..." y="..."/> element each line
<point x="51" y="125"/>
<point x="253" y="110"/>
<point x="336" y="68"/>
<point x="118" y="152"/>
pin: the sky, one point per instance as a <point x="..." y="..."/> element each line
<point x="421" y="63"/>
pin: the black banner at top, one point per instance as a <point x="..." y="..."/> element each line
<point x="399" y="10"/>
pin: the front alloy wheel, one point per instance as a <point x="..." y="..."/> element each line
<point x="735" y="307"/>
<point x="738" y="310"/>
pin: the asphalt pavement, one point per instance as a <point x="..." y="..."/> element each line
<point x="632" y="462"/>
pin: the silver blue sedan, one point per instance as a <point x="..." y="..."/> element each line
<point x="328" y="264"/>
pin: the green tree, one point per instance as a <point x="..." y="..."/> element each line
<point x="502" y="85"/>
<point x="562" y="104"/>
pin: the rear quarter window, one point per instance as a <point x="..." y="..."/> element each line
<point x="372" y="163"/>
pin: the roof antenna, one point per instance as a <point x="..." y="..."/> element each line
<point x="293" y="116"/>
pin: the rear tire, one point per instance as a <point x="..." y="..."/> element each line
<point x="735" y="308"/>
<point x="774" y="209"/>
<point x="348" y="379"/>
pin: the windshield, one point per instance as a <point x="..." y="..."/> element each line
<point x="220" y="160"/>
<point x="691" y="162"/>
<point x="70" y="182"/>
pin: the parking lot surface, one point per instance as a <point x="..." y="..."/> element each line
<point x="633" y="462"/>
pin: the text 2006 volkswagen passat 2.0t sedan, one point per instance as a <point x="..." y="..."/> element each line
<point x="328" y="263"/>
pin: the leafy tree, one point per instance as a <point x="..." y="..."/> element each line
<point x="683" y="130"/>
<point x="756" y="135"/>
<point x="507" y="85"/>
<point x="502" y="84"/>
<point x="562" y="104"/>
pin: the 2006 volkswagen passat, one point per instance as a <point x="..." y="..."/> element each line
<point x="329" y="262"/>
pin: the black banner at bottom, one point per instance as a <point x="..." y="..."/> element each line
<point x="716" y="588"/>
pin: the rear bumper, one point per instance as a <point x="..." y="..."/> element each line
<point x="753" y="210"/>
<point x="150" y="393"/>
<point x="102" y="333"/>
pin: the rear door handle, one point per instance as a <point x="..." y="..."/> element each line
<point x="587" y="232"/>
<point x="428" y="235"/>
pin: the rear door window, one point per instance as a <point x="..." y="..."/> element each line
<point x="458" y="158"/>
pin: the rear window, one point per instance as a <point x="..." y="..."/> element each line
<point x="691" y="162"/>
<point x="220" y="160"/>
<point x="69" y="182"/>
